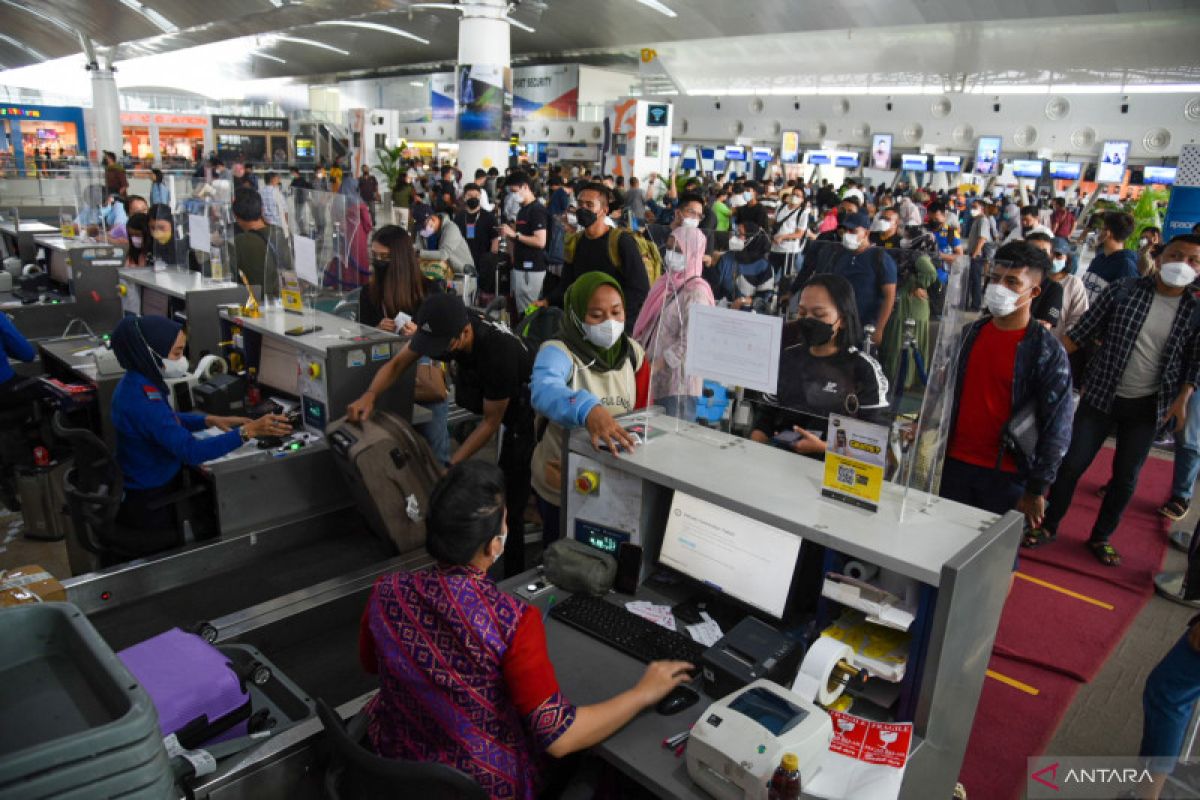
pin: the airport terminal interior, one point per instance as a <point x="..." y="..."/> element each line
<point x="617" y="399"/>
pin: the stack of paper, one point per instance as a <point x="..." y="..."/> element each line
<point x="659" y="615"/>
<point x="880" y="607"/>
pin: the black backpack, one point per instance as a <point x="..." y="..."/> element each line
<point x="540" y="326"/>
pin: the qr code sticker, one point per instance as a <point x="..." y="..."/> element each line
<point x="846" y="474"/>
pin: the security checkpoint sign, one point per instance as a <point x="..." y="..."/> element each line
<point x="855" y="456"/>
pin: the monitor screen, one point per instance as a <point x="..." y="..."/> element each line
<point x="747" y="560"/>
<point x="847" y="160"/>
<point x="1066" y="170"/>
<point x="947" y="163"/>
<point x="817" y="157"/>
<point x="154" y="303"/>
<point x="278" y="367"/>
<point x="1163" y="175"/>
<point x="735" y="153"/>
<point x="1112" y="162"/>
<point x="676" y="150"/>
<point x="762" y="154"/>
<point x="1027" y="168"/>
<point x="914" y="162"/>
<point x="987" y="155"/>
<point x="881" y="151"/>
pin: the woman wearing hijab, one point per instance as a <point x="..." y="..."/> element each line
<point x="583" y="378"/>
<point x="140" y="240"/>
<point x="154" y="441"/>
<point x="662" y="324"/>
<point x="356" y="269"/>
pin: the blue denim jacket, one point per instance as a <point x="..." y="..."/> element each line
<point x="1042" y="376"/>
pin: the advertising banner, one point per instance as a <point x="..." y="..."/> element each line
<point x="441" y="96"/>
<point x="546" y="92"/>
<point x="881" y="151"/>
<point x="855" y="455"/>
<point x="484" y="102"/>
<point x="789" y="150"/>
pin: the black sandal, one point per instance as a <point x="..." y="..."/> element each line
<point x="1105" y="553"/>
<point x="1038" y="537"/>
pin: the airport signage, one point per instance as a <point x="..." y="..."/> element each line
<point x="250" y="123"/>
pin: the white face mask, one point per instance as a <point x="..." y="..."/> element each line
<point x="572" y="220"/>
<point x="674" y="260"/>
<point x="795" y="199"/>
<point x="174" y="367"/>
<point x="1000" y="300"/>
<point x="691" y="222"/>
<point x="1059" y="264"/>
<point x="747" y="196"/>
<point x="974" y="212"/>
<point x="136" y="241"/>
<point x="736" y="243"/>
<point x="880" y="226"/>
<point x="1177" y="274"/>
<point x="605" y="334"/>
<point x="427" y="232"/>
<point x="850" y="241"/>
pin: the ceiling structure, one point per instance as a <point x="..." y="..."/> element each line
<point x="708" y="45"/>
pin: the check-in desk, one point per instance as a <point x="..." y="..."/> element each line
<point x="182" y="295"/>
<point x="960" y="558"/>
<point x="333" y="364"/>
<point x="70" y="361"/>
<point x="83" y="286"/>
<point x="20" y="242"/>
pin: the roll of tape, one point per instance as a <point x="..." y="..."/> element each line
<point x="210" y="366"/>
<point x="815" y="680"/>
<point x="860" y="571"/>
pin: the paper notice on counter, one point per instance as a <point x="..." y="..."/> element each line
<point x="306" y="259"/>
<point x="659" y="615"/>
<point x="199" y="237"/>
<point x="733" y="347"/>
<point x="866" y="760"/>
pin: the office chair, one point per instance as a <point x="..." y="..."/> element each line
<point x="93" y="488"/>
<point x="355" y="773"/>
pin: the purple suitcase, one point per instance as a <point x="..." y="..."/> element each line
<point x="198" y="694"/>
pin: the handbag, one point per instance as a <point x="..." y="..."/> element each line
<point x="576" y="567"/>
<point x="1020" y="434"/>
<point x="430" y="384"/>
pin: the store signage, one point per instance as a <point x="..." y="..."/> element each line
<point x="855" y="455"/>
<point x="250" y="123"/>
<point x="18" y="111"/>
<point x="170" y="120"/>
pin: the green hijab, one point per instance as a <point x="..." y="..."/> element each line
<point x="575" y="304"/>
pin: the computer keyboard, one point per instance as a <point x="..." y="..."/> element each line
<point x="625" y="630"/>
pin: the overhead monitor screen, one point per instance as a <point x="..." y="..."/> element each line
<point x="762" y="154"/>
<point x="881" y="151"/>
<point x="735" y="153"/>
<point x="726" y="551"/>
<point x="1112" y="162"/>
<point x="847" y="160"/>
<point x="914" y="162"/>
<point x="947" y="163"/>
<point x="1066" y="170"/>
<point x="1027" y="169"/>
<point x="817" y="157"/>
<point x="676" y="150"/>
<point x="1163" y="175"/>
<point x="987" y="155"/>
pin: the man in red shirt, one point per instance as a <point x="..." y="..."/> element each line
<point x="1062" y="221"/>
<point x="1008" y="364"/>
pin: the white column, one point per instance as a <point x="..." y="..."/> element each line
<point x="106" y="110"/>
<point x="483" y="38"/>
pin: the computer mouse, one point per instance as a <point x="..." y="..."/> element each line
<point x="679" y="698"/>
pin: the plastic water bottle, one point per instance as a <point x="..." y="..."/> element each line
<point x="785" y="783"/>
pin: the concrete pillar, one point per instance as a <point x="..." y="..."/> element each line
<point x="106" y="110"/>
<point x="483" y="38"/>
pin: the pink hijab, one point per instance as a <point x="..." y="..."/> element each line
<point x="692" y="243"/>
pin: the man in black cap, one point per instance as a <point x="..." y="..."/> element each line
<point x="494" y="368"/>
<point x="870" y="270"/>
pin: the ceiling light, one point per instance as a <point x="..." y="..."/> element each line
<point x="416" y="83"/>
<point x="161" y="22"/>
<point x="520" y="25"/>
<point x="21" y="46"/>
<point x="311" y="43"/>
<point x="659" y="7"/>
<point x="267" y="55"/>
<point x="374" y="26"/>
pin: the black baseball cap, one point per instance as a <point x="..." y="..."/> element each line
<point x="440" y="319"/>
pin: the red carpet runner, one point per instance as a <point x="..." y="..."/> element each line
<point x="1053" y="641"/>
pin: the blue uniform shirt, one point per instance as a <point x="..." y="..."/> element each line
<point x="868" y="272"/>
<point x="12" y="344"/>
<point x="153" y="441"/>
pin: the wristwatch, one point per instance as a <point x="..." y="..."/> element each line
<point x="242" y="432"/>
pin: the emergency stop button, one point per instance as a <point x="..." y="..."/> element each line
<point x="587" y="481"/>
<point x="314" y="370"/>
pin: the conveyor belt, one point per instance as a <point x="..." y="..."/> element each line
<point x="252" y="583"/>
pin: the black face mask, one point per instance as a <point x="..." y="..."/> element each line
<point x="814" y="331"/>
<point x="585" y="217"/>
<point x="380" y="266"/>
<point x="472" y="203"/>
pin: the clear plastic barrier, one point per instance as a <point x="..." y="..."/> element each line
<point x="340" y="231"/>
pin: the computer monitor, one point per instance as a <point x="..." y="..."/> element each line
<point x="1163" y="175"/>
<point x="278" y="367"/>
<point x="154" y="303"/>
<point x="744" y="559"/>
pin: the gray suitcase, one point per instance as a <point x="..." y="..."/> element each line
<point x="43" y="504"/>
<point x="391" y="470"/>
